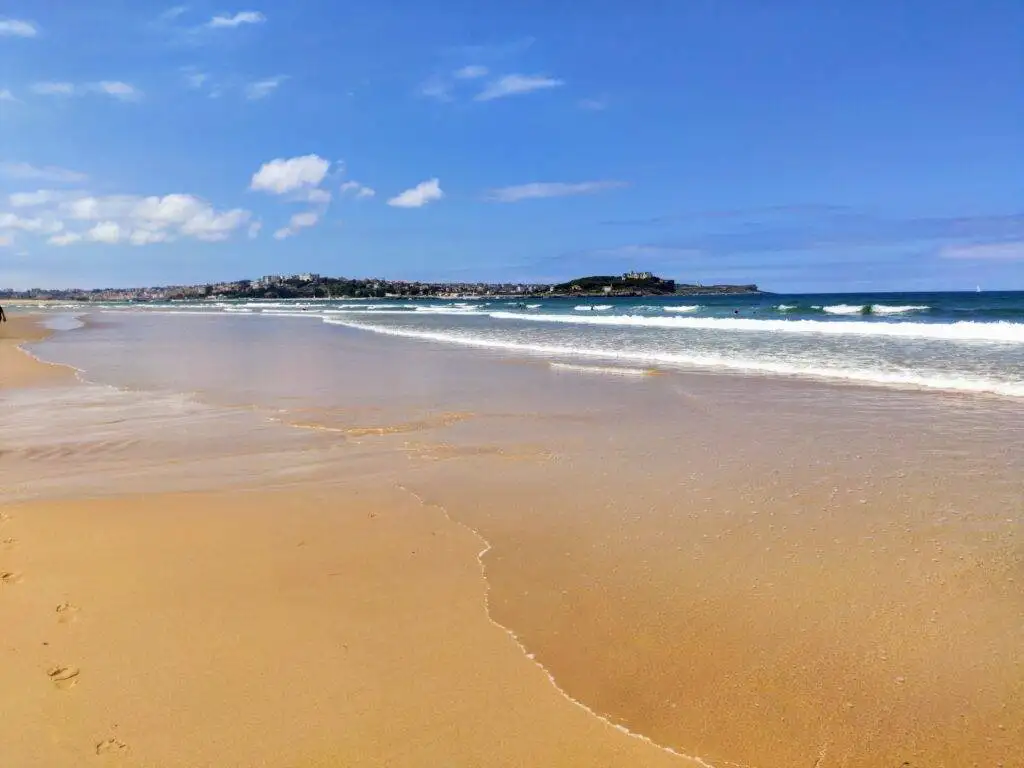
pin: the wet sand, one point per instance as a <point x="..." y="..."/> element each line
<point x="325" y="624"/>
<point x="761" y="572"/>
<point x="18" y="369"/>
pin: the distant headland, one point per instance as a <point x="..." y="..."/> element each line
<point x="314" y="286"/>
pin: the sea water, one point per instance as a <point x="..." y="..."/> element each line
<point x="970" y="342"/>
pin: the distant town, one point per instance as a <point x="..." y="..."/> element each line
<point x="312" y="286"/>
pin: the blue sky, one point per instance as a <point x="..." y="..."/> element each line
<point x="801" y="145"/>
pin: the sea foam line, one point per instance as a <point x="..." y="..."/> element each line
<point x="519" y="643"/>
<point x="858" y="376"/>
<point x="965" y="330"/>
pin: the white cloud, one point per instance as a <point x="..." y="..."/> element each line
<point x="117" y="89"/>
<point x="143" y="220"/>
<point x="418" y="196"/>
<point x="242" y="17"/>
<point x="194" y="78"/>
<point x="550" y="189"/>
<point x="254" y="229"/>
<point x="1008" y="251"/>
<point x="108" y="232"/>
<point x="512" y="85"/>
<point x="360" y="191"/>
<point x="35" y="224"/>
<point x="44" y="173"/>
<point x="319" y="196"/>
<point x="262" y="88"/>
<point x="172" y="13"/>
<point x="471" y="72"/>
<point x="146" y="237"/>
<point x="32" y="199"/>
<point x="114" y="88"/>
<point x="17" y="28"/>
<point x="297" y="222"/>
<point x="212" y="227"/>
<point x="6" y="95"/>
<point x="435" y="88"/>
<point x="53" y="89"/>
<point x="65" y="238"/>
<point x="287" y="175"/>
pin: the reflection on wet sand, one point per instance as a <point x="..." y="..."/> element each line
<point x="761" y="572"/>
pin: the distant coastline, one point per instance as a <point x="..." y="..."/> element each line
<point x="314" y="286"/>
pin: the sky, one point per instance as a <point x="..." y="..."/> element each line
<point x="804" y="146"/>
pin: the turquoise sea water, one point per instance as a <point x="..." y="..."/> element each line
<point x="970" y="342"/>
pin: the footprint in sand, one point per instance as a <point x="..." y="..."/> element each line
<point x="9" y="577"/>
<point x="66" y="613"/>
<point x="63" y="676"/>
<point x="111" y="746"/>
<point x="9" y="542"/>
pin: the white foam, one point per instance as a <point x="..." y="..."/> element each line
<point x="1005" y="332"/>
<point x="63" y="323"/>
<point x="787" y="307"/>
<point x="683" y="308"/>
<point x="593" y="307"/>
<point x="887" y="309"/>
<point x="845" y="309"/>
<point x="611" y="370"/>
<point x="449" y="310"/>
<point x="892" y="377"/>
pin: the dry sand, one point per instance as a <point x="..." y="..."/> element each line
<point x="324" y="625"/>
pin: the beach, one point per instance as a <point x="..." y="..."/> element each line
<point x="415" y="555"/>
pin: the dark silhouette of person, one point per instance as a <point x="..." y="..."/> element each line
<point x="3" y="316"/>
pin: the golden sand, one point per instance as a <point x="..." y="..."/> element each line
<point x="323" y="625"/>
<point x="18" y="369"/>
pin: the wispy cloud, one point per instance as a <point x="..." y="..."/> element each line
<point x="514" y="85"/>
<point x="436" y="88"/>
<point x="37" y="198"/>
<point x="117" y="89"/>
<point x="50" y="173"/>
<point x="1009" y="251"/>
<point x="53" y="89"/>
<point x="471" y="72"/>
<point x="17" y="28"/>
<point x="173" y="13"/>
<point x="297" y="222"/>
<point x="492" y="51"/>
<point x="6" y="95"/>
<point x="194" y="78"/>
<point x="594" y="105"/>
<point x="260" y="89"/>
<point x="550" y="189"/>
<point x="236" y="20"/>
<point x="423" y="193"/>
<point x="360" y="191"/>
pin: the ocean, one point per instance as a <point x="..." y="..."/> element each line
<point x="967" y="342"/>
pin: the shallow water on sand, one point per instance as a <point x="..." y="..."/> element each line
<point x="764" y="572"/>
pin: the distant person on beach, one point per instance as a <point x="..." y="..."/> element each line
<point x="3" y="316"/>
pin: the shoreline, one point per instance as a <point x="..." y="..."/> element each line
<point x="608" y="595"/>
<point x="353" y="602"/>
